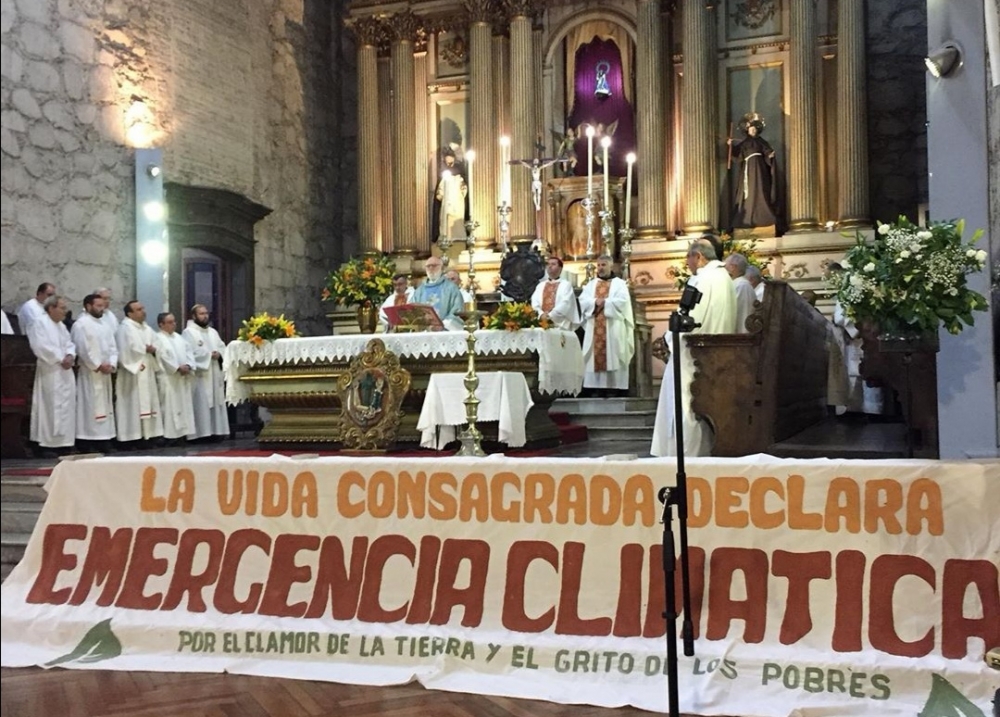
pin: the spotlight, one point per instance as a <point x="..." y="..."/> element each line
<point x="944" y="60"/>
<point x="154" y="211"/>
<point x="153" y="171"/>
<point x="154" y="252"/>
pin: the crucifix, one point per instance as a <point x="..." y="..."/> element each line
<point x="536" y="164"/>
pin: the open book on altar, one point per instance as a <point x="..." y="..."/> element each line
<point x="413" y="317"/>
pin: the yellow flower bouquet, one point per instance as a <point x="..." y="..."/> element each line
<point x="264" y="327"/>
<point x="511" y="316"/>
<point x="364" y="280"/>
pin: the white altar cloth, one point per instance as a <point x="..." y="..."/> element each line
<point x="503" y="397"/>
<point x="560" y="359"/>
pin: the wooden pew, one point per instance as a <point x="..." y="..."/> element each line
<point x="760" y="388"/>
<point x="17" y="378"/>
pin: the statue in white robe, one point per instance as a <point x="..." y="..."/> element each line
<point x="209" y="396"/>
<point x="137" y="402"/>
<point x="53" y="397"/>
<point x="609" y="330"/>
<point x="175" y="380"/>
<point x="716" y="314"/>
<point x="555" y="299"/>
<point x="97" y="359"/>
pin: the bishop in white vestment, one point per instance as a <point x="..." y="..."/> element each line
<point x="137" y="402"/>
<point x="174" y="379"/>
<point x="554" y="298"/>
<point x="210" y="417"/>
<point x="97" y="358"/>
<point x="53" y="397"/>
<point x="609" y="338"/>
<point x="716" y="314"/>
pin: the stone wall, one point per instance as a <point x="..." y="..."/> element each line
<point x="245" y="96"/>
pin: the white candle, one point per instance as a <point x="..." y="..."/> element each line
<point x="605" y="143"/>
<point x="505" y="170"/>
<point x="470" y="157"/>
<point x="628" y="188"/>
<point x="590" y="161"/>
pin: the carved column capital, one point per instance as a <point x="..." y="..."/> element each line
<point x="481" y="10"/>
<point x="370" y="30"/>
<point x="406" y="27"/>
<point x="521" y="8"/>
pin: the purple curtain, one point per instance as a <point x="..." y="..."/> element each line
<point x="591" y="109"/>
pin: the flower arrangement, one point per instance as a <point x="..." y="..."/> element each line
<point x="746" y="247"/>
<point x="910" y="279"/>
<point x="264" y="327"/>
<point x="513" y="315"/>
<point x="364" y="280"/>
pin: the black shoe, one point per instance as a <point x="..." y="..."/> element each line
<point x="47" y="453"/>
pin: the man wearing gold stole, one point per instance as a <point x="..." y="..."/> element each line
<point x="609" y="329"/>
<point x="554" y="298"/>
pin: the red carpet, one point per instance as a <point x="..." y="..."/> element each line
<point x="568" y="432"/>
<point x="25" y="472"/>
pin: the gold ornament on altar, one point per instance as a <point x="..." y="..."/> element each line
<point x="371" y="393"/>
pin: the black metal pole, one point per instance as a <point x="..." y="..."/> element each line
<point x="669" y="571"/>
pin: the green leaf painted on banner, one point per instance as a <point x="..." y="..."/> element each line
<point x="100" y="643"/>
<point x="946" y="701"/>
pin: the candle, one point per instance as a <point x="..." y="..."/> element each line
<point x="505" y="170"/>
<point x="470" y="157"/>
<point x="590" y="161"/>
<point x="628" y="188"/>
<point x="605" y="143"/>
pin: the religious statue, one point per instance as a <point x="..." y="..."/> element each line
<point x="566" y="152"/>
<point x="450" y="194"/>
<point x="536" y="166"/>
<point x="602" y="91"/>
<point x="756" y="190"/>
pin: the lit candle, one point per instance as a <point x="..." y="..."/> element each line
<point x="628" y="188"/>
<point x="505" y="170"/>
<point x="605" y="143"/>
<point x="470" y="157"/>
<point x="590" y="161"/>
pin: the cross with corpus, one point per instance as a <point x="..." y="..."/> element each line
<point x="536" y="164"/>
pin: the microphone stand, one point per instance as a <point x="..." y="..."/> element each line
<point x="680" y="322"/>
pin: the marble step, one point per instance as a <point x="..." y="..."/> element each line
<point x="575" y="406"/>
<point x="18" y="517"/>
<point x="22" y="489"/>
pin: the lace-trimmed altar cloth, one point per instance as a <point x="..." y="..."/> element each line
<point x="560" y="358"/>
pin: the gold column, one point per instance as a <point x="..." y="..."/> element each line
<point x="369" y="31"/>
<point x="404" y="155"/>
<point x="804" y="142"/>
<point x="522" y="105"/>
<point x="649" y="72"/>
<point x="385" y="132"/>
<point x="852" y="128"/>
<point x="422" y="208"/>
<point x="482" y="131"/>
<point x="698" y="37"/>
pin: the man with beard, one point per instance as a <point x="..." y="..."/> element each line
<point x="554" y="298"/>
<point x="137" y="402"/>
<point x="209" y="396"/>
<point x="109" y="318"/>
<point x="609" y="329"/>
<point x="440" y="293"/>
<point x="53" y="398"/>
<point x="174" y="380"/>
<point x="97" y="356"/>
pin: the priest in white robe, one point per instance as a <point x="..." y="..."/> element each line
<point x="53" y="397"/>
<point x="33" y="309"/>
<point x="97" y="359"/>
<point x="108" y="317"/>
<point x="174" y="379"/>
<point x="402" y="294"/>
<point x="756" y="281"/>
<point x="736" y="265"/>
<point x="440" y="293"/>
<point x="455" y="278"/>
<point x="716" y="314"/>
<point x="209" y="396"/>
<point x="609" y="329"/>
<point x="554" y="298"/>
<point x="137" y="402"/>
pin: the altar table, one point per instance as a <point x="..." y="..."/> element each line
<point x="503" y="397"/>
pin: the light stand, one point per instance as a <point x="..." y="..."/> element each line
<point x="608" y="230"/>
<point x="680" y="322"/>
<point x="588" y="218"/>
<point x="503" y="212"/>
<point x="470" y="246"/>
<point x="627" y="234"/>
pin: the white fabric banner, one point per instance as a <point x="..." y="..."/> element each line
<point x="819" y="587"/>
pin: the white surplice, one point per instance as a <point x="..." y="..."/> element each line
<point x="745" y="300"/>
<point x="137" y="403"/>
<point x="53" y="397"/>
<point x="716" y="312"/>
<point x="95" y="411"/>
<point x="175" y="389"/>
<point x="620" y="334"/>
<point x="565" y="314"/>
<point x="29" y="312"/>
<point x="210" y="417"/>
<point x="111" y="321"/>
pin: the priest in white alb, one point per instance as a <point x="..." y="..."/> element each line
<point x="137" y="402"/>
<point x="715" y="314"/>
<point x="402" y="294"/>
<point x="53" y="397"/>
<point x="210" y="417"/>
<point x="97" y="359"/>
<point x="174" y="379"/>
<point x="736" y="265"/>
<point x="609" y="329"/>
<point x="554" y="299"/>
<point x="34" y="308"/>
